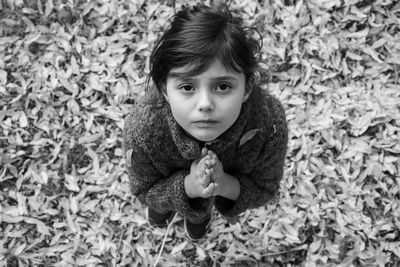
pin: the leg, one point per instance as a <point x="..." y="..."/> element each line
<point x="196" y="230"/>
<point x="158" y="218"/>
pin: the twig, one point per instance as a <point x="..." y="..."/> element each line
<point x="286" y="251"/>
<point x="165" y="239"/>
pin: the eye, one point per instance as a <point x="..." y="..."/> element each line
<point x="186" y="88"/>
<point x="224" y="87"/>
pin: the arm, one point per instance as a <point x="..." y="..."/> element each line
<point x="228" y="187"/>
<point x="164" y="193"/>
<point x="155" y="190"/>
<point x="259" y="186"/>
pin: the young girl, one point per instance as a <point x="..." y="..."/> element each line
<point x="209" y="136"/>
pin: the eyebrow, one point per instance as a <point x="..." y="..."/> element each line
<point x="225" y="78"/>
<point x="184" y="77"/>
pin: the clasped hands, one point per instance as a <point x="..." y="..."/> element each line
<point x="207" y="176"/>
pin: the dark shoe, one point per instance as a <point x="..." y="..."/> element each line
<point x="157" y="219"/>
<point x="197" y="231"/>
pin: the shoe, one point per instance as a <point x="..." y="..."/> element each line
<point x="195" y="231"/>
<point x="157" y="219"/>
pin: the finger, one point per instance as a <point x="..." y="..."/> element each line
<point x="200" y="169"/>
<point x="208" y="191"/>
<point x="204" y="185"/>
<point x="204" y="162"/>
<point x="213" y="161"/>
<point x="212" y="178"/>
<point x="212" y="155"/>
<point x="215" y="190"/>
<point x="206" y="178"/>
<point x="208" y="163"/>
<point x="203" y="170"/>
<point x="195" y="162"/>
<point x="204" y="152"/>
<point x="206" y="157"/>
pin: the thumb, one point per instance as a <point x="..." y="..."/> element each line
<point x="209" y="190"/>
<point x="216" y="189"/>
<point x="204" y="152"/>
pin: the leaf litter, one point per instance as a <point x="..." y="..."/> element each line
<point x="71" y="70"/>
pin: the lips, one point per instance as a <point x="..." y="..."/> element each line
<point x="205" y="123"/>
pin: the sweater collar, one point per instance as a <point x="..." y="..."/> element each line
<point x="190" y="148"/>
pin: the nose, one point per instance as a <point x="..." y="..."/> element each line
<point x="205" y="102"/>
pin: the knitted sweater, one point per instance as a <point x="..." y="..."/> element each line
<point x="159" y="155"/>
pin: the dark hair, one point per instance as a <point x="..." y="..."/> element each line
<point x="195" y="38"/>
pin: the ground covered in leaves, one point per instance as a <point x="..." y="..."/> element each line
<point x="71" y="70"/>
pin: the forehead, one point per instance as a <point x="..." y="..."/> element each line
<point x="214" y="69"/>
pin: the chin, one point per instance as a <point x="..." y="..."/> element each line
<point x="202" y="139"/>
<point x="206" y="138"/>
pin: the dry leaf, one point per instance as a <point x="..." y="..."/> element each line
<point x="23" y="121"/>
<point x="71" y="183"/>
<point x="178" y="248"/>
<point x="247" y="136"/>
<point x="128" y="157"/>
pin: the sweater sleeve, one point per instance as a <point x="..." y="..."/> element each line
<point x="262" y="183"/>
<point x="157" y="191"/>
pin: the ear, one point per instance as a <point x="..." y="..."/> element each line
<point x="166" y="96"/>
<point x="246" y="95"/>
<point x="164" y="93"/>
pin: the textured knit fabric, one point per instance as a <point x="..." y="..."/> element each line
<point x="159" y="155"/>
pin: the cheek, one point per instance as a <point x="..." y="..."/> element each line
<point x="232" y="105"/>
<point x="179" y="110"/>
<point x="230" y="112"/>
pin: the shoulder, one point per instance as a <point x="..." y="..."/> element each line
<point x="275" y="109"/>
<point x="140" y="116"/>
<point x="143" y="124"/>
<point x="270" y="118"/>
<point x="265" y="134"/>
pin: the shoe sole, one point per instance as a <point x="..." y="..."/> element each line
<point x="168" y="220"/>
<point x="197" y="239"/>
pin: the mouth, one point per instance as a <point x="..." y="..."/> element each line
<point x="205" y="123"/>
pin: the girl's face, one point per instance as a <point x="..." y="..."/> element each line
<point x="206" y="105"/>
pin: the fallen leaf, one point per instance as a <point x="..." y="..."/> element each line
<point x="23" y="121"/>
<point x="129" y="157"/>
<point x="247" y="136"/>
<point x="71" y="183"/>
<point x="179" y="248"/>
